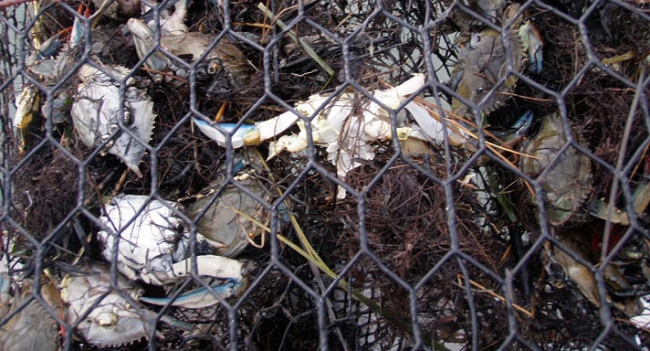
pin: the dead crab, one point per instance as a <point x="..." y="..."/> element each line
<point x="97" y="115"/>
<point x="347" y="125"/>
<point x="112" y="320"/>
<point x="152" y="246"/>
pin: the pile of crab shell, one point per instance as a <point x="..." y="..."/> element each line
<point x="155" y="149"/>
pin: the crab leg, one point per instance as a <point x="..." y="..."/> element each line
<point x="211" y="266"/>
<point x="533" y="43"/>
<point x="144" y="39"/>
<point x="247" y="135"/>
<point x="199" y="298"/>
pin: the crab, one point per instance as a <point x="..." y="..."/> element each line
<point x="152" y="246"/>
<point x="224" y="59"/>
<point x="568" y="182"/>
<point x="576" y="241"/>
<point x="232" y="217"/>
<point x="30" y="326"/>
<point x="108" y="319"/>
<point x="346" y="125"/>
<point x="487" y="8"/>
<point x="98" y="118"/>
<point x="482" y="76"/>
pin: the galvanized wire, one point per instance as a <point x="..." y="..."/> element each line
<point x="455" y="249"/>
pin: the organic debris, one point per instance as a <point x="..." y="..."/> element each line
<point x="423" y="199"/>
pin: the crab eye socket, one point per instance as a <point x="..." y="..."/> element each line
<point x="201" y="74"/>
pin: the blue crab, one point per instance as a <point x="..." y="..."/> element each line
<point x="30" y="326"/>
<point x="97" y="117"/>
<point x="109" y="320"/>
<point x="482" y="76"/>
<point x="577" y="243"/>
<point x="106" y="314"/>
<point x="567" y="185"/>
<point x="225" y="58"/>
<point x="152" y="246"/>
<point x="568" y="182"/>
<point x="232" y="217"/>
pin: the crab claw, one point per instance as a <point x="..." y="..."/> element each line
<point x="232" y="271"/>
<point x="247" y="135"/>
<point x="201" y="297"/>
<point x="144" y="40"/>
<point x="532" y="41"/>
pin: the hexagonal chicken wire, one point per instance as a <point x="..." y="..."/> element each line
<point x="374" y="175"/>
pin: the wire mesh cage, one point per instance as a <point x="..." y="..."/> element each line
<point x="347" y="175"/>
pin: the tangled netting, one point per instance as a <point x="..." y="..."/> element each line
<point x="333" y="175"/>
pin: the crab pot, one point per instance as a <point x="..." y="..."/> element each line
<point x="461" y="175"/>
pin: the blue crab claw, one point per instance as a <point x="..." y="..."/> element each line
<point x="247" y="135"/>
<point x="532" y="43"/>
<point x="518" y="129"/>
<point x="41" y="61"/>
<point x="201" y="297"/>
<point x="77" y="34"/>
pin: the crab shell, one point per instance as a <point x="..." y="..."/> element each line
<point x="568" y="182"/>
<point x="112" y="320"/>
<point x="225" y="56"/>
<point x="147" y="244"/>
<point x="348" y="125"/>
<point x="31" y="328"/>
<point x="176" y="38"/>
<point x="483" y="65"/>
<point x="486" y="8"/>
<point x="234" y="216"/>
<point x="153" y="247"/>
<point x="96" y="113"/>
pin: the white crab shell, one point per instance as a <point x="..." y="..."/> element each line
<point x="152" y="245"/>
<point x="146" y="245"/>
<point x="347" y="127"/>
<point x="96" y="113"/>
<point x="112" y="321"/>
